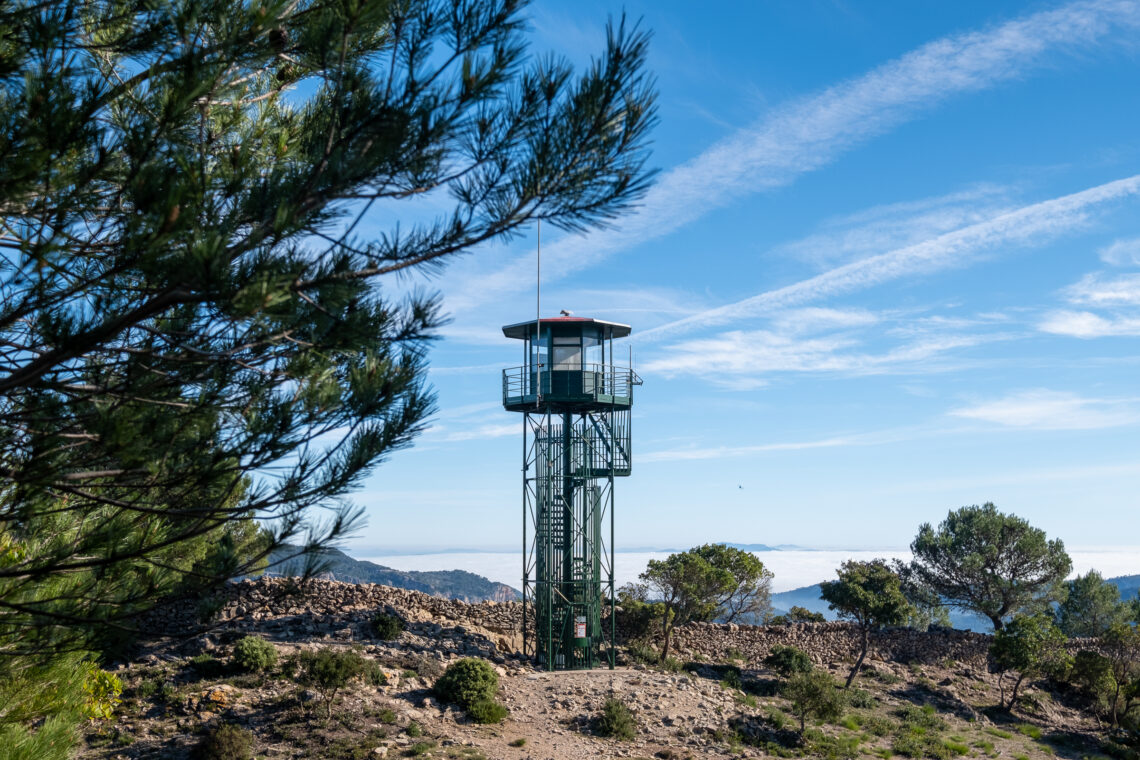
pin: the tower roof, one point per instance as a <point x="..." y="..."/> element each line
<point x="524" y="329"/>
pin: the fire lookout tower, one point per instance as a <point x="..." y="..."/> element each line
<point x="576" y="406"/>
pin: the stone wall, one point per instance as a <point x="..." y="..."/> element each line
<point x="832" y="642"/>
<point x="324" y="607"/>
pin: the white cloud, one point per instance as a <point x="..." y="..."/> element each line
<point x="1122" y="253"/>
<point x="1052" y="410"/>
<point x="480" y="432"/>
<point x="815" y="319"/>
<point x="1094" y="290"/>
<point x="811" y="132"/>
<point x="1085" y="324"/>
<point x="738" y="359"/>
<point x="1042" y="220"/>
<point x="721" y="452"/>
<point x="896" y="225"/>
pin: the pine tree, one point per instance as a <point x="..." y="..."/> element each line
<point x="193" y="332"/>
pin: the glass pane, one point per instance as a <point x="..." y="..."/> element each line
<point x="593" y="349"/>
<point x="567" y="358"/>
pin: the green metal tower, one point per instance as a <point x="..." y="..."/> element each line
<point x="575" y="402"/>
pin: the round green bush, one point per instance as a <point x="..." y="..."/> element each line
<point x="226" y="742"/>
<point x="787" y="661"/>
<point x="387" y="627"/>
<point x="487" y="711"/>
<point x="466" y="682"/>
<point x="254" y="653"/>
<point x="617" y="721"/>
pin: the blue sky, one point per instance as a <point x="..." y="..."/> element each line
<point x="890" y="266"/>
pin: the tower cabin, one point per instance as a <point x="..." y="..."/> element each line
<point x="568" y="366"/>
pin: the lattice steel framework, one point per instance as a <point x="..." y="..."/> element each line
<point x="576" y="440"/>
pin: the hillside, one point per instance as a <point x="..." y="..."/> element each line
<point x="923" y="695"/>
<point x="1128" y="585"/>
<point x="451" y="584"/>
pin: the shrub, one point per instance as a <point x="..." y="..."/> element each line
<point x="520" y="742"/>
<point x="386" y="716"/>
<point x="860" y="698"/>
<point x="731" y="678"/>
<point x="226" y="742"/>
<point x="921" y="717"/>
<point x="207" y="665"/>
<point x="387" y="627"/>
<point x="641" y="652"/>
<point x="101" y="692"/>
<point x="414" y="730"/>
<point x="813" y="694"/>
<point x="617" y="720"/>
<point x="420" y="748"/>
<point x="374" y="674"/>
<point x="254" y="653"/>
<point x="329" y="670"/>
<point x="487" y="711"/>
<point x="466" y="682"/>
<point x="787" y="660"/>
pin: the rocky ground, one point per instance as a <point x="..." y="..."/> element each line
<point x="177" y="689"/>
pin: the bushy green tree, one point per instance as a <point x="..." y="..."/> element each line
<point x="1091" y="605"/>
<point x="813" y="694"/>
<point x="1028" y="647"/>
<point x="689" y="586"/>
<point x="995" y="564"/>
<point x="750" y="597"/>
<point x="869" y="594"/>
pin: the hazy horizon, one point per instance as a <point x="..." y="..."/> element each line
<point x="793" y="568"/>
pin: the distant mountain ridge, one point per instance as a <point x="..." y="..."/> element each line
<point x="451" y="584"/>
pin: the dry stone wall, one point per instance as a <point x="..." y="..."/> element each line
<point x="344" y="610"/>
<point x="832" y="642"/>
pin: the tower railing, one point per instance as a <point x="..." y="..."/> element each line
<point x="593" y="383"/>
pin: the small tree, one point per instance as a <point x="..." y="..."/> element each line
<point x="813" y="694"/>
<point x="751" y="594"/>
<point x="870" y="594"/>
<point x="1092" y="673"/>
<point x="690" y="587"/>
<point x="328" y="671"/>
<point x="1029" y="646"/>
<point x="1121" y="644"/>
<point x="994" y="564"/>
<point x="1090" y="607"/>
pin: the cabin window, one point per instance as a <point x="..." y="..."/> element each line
<point x="567" y="354"/>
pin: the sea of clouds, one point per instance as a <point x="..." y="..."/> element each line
<point x="793" y="568"/>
